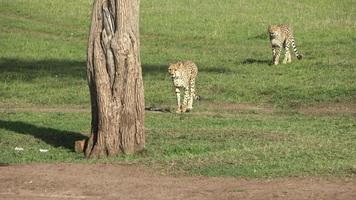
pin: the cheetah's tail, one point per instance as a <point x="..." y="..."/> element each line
<point x="299" y="55"/>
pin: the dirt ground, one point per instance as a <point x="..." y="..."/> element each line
<point x="108" y="181"/>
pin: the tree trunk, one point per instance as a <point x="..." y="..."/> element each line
<point x="115" y="79"/>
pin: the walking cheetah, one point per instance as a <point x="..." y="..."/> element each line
<point x="183" y="74"/>
<point x="282" y="36"/>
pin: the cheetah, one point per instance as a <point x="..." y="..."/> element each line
<point x="282" y="36"/>
<point x="183" y="74"/>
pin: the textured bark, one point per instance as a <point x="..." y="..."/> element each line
<point x="115" y="79"/>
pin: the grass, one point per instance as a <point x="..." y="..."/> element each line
<point x="247" y="145"/>
<point x="254" y="145"/>
<point x="42" y="65"/>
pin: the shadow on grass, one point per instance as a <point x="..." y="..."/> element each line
<point x="261" y="36"/>
<point x="28" y="70"/>
<point x="53" y="137"/>
<point x="154" y="69"/>
<point x="150" y="69"/>
<point x="215" y="70"/>
<point x="256" y="61"/>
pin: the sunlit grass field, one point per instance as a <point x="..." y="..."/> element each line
<point x="254" y="119"/>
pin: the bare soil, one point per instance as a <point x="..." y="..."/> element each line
<point x="109" y="181"/>
<point x="329" y="109"/>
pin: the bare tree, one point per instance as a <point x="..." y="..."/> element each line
<point x="115" y="79"/>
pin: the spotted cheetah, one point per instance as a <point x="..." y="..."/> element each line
<point x="282" y="36"/>
<point x="183" y="74"/>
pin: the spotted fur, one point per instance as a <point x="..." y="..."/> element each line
<point x="281" y="36"/>
<point x="183" y="74"/>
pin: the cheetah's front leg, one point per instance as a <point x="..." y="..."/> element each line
<point x="178" y="101"/>
<point x="276" y="54"/>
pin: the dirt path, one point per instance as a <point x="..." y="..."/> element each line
<point x="108" y="181"/>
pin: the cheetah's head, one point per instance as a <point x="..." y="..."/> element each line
<point x="173" y="70"/>
<point x="273" y="31"/>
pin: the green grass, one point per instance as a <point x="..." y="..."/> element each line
<point x="254" y="145"/>
<point x="43" y="60"/>
<point x="247" y="145"/>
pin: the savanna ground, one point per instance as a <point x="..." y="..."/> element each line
<point x="260" y="131"/>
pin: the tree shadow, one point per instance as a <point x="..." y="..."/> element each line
<point x="154" y="69"/>
<point x="261" y="36"/>
<point x="216" y="70"/>
<point x="256" y="61"/>
<point x="160" y="69"/>
<point x="28" y="70"/>
<point x="31" y="69"/>
<point x="53" y="137"/>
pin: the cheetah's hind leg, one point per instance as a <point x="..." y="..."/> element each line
<point x="287" y="55"/>
<point x="191" y="94"/>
